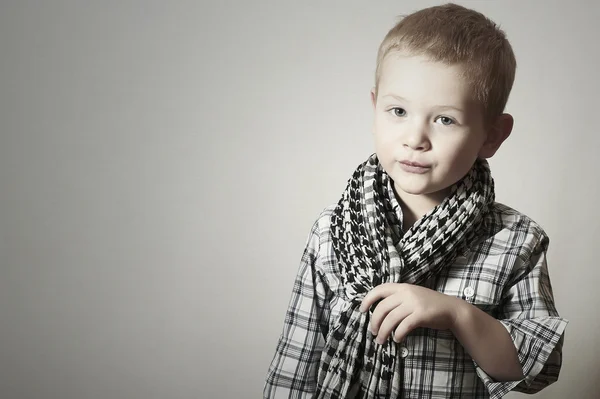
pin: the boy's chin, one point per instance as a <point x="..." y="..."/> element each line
<point x="423" y="190"/>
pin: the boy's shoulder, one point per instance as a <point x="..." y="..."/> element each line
<point x="506" y="221"/>
<point x="513" y="219"/>
<point x="323" y="223"/>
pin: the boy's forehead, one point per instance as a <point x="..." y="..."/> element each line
<point x="417" y="76"/>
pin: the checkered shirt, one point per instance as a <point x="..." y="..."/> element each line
<point x="504" y="273"/>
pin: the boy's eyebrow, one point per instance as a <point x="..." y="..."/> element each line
<point x="395" y="97"/>
<point x="440" y="107"/>
<point x="400" y="98"/>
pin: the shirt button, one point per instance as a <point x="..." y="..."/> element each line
<point x="469" y="292"/>
<point x="403" y="352"/>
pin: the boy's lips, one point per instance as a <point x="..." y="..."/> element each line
<point x="417" y="164"/>
<point x="414" y="167"/>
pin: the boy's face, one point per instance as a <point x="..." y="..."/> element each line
<point x="428" y="130"/>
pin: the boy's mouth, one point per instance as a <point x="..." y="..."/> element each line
<point x="414" y="167"/>
<point x="416" y="164"/>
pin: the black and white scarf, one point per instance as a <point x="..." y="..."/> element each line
<point x="371" y="250"/>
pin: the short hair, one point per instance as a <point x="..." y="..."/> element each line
<point x="453" y="34"/>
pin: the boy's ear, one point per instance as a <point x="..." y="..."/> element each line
<point x="373" y="98"/>
<point x="496" y="134"/>
<point x="374" y="102"/>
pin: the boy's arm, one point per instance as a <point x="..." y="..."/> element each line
<point x="529" y="331"/>
<point x="293" y="370"/>
<point x="487" y="342"/>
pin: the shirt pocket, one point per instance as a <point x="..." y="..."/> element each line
<point x="477" y="281"/>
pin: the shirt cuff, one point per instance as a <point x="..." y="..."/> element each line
<point x="535" y="340"/>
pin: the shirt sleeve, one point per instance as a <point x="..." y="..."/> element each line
<point x="530" y="317"/>
<point x="293" y="370"/>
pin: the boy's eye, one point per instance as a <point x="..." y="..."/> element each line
<point x="445" y="120"/>
<point x="399" y="111"/>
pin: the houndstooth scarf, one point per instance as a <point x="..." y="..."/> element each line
<point x="371" y="250"/>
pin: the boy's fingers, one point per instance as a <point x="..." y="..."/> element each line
<point x="409" y="323"/>
<point x="377" y="293"/>
<point x="382" y="311"/>
<point x="393" y="319"/>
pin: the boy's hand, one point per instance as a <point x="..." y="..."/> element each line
<point x="404" y="307"/>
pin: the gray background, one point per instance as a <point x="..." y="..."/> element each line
<point x="161" y="164"/>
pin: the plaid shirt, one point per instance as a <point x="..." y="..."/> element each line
<point x="504" y="273"/>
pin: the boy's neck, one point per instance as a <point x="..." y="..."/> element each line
<point x="414" y="207"/>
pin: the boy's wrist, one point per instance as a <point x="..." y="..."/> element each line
<point x="461" y="311"/>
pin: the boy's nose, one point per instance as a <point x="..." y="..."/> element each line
<point x="416" y="138"/>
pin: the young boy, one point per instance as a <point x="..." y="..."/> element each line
<point x="417" y="283"/>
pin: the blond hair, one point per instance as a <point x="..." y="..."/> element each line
<point x="453" y="34"/>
